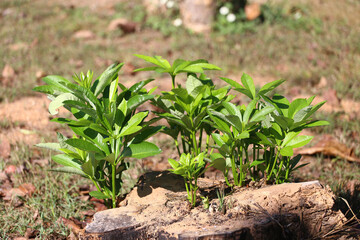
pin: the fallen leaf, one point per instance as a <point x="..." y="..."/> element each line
<point x="40" y="74"/>
<point x="10" y="169"/>
<point x="41" y="162"/>
<point x="128" y="69"/>
<point x="70" y="224"/>
<point x="31" y="233"/>
<point x="88" y="212"/>
<point x="329" y="146"/>
<point x="99" y="206"/>
<point x="125" y="25"/>
<point x="13" y="193"/>
<point x="27" y="188"/>
<point x="252" y="11"/>
<point x="84" y="34"/>
<point x="20" y="238"/>
<point x="8" y="72"/>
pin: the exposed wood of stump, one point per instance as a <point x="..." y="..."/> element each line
<point x="157" y="209"/>
<point x="198" y="15"/>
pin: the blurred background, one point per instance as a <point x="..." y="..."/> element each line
<point x="313" y="44"/>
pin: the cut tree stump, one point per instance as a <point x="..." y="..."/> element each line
<point x="198" y="15"/>
<point x="157" y="208"/>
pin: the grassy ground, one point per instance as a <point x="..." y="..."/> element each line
<point x="38" y="36"/>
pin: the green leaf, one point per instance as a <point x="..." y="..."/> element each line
<point x="141" y="150"/>
<point x="173" y="163"/>
<point x="287" y="151"/>
<point x="83" y="145"/>
<point x="270" y="86"/>
<point x="249" y="109"/>
<point x="300" y="141"/>
<point x="137" y="100"/>
<point x="248" y="83"/>
<point x="261" y="114"/>
<point x="59" y="101"/>
<point x="192" y="83"/>
<point x="157" y="60"/>
<point x="289" y="136"/>
<point x="146" y="69"/>
<point x="51" y="146"/>
<point x="264" y="139"/>
<point x="106" y="78"/>
<point x="98" y="195"/>
<point x="232" y="109"/>
<point x="66" y="160"/>
<point x="295" y="106"/>
<point x="110" y="158"/>
<point x="132" y="125"/>
<point x="71" y="170"/>
<point x="232" y="83"/>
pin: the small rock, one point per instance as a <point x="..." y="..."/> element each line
<point x="84" y="34"/>
<point x="252" y="11"/>
<point x="125" y="25"/>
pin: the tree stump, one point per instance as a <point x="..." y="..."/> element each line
<point x="198" y="15"/>
<point x="157" y="208"/>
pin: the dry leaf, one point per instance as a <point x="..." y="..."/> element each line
<point x="31" y="233"/>
<point x="331" y="147"/>
<point x="10" y="169"/>
<point x="27" y="188"/>
<point x="70" y="224"/>
<point x="125" y="25"/>
<point x="84" y="34"/>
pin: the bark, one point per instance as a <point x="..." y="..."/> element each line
<point x="157" y="209"/>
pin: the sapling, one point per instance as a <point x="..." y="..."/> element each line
<point x="107" y="128"/>
<point x="190" y="168"/>
<point x="185" y="108"/>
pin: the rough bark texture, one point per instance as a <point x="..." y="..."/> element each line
<point x="157" y="209"/>
<point x="198" y="15"/>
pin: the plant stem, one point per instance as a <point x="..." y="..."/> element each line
<point x="177" y="146"/>
<point x="233" y="168"/>
<point x="113" y="175"/>
<point x="173" y="81"/>
<point x="193" y="136"/>
<point x="272" y="169"/>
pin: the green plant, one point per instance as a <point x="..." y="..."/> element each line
<point x="268" y="124"/>
<point x="107" y="129"/>
<point x="190" y="168"/>
<point x="221" y="196"/>
<point x="205" y="202"/>
<point x="185" y="108"/>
